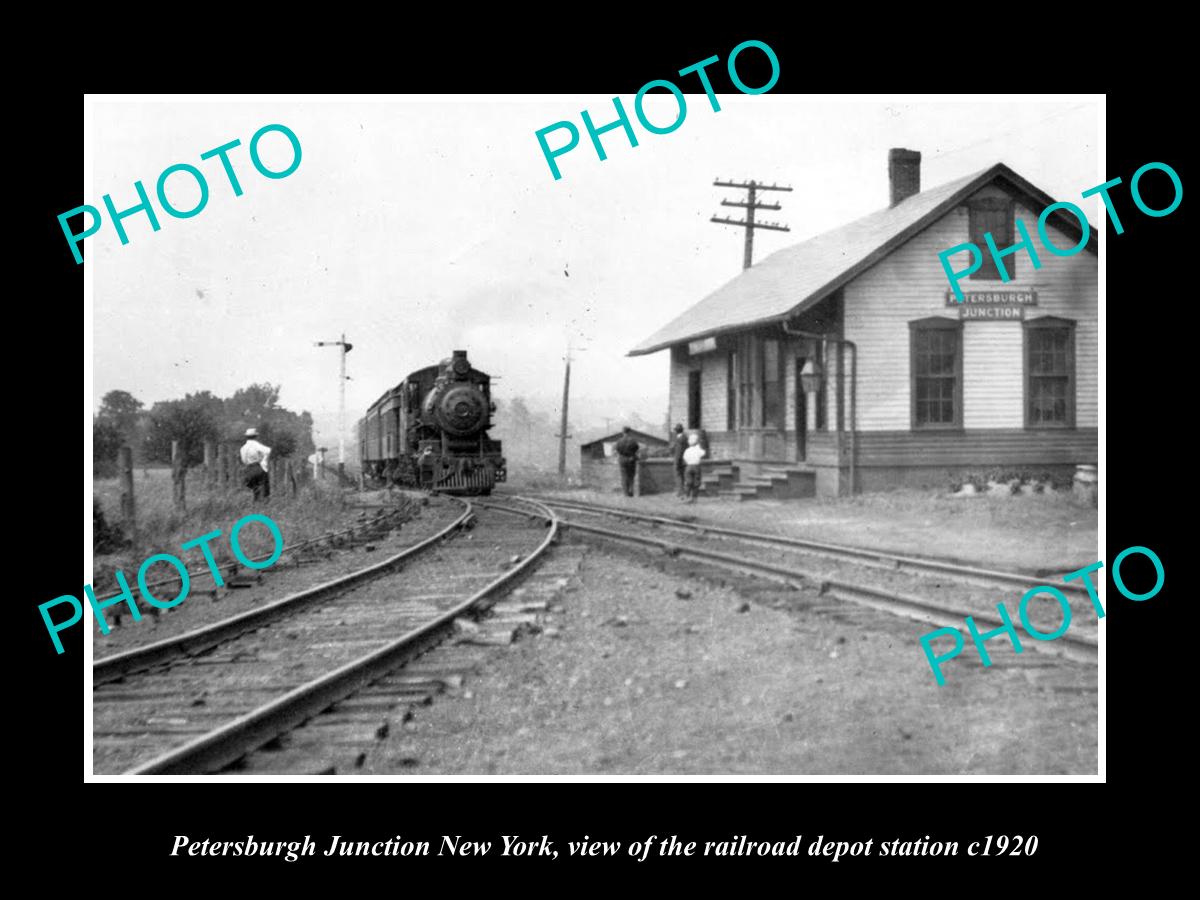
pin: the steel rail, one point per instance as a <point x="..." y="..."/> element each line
<point x="191" y="642"/>
<point x="890" y="560"/>
<point x="228" y="743"/>
<point x="888" y="601"/>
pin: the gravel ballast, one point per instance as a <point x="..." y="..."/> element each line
<point x="640" y="672"/>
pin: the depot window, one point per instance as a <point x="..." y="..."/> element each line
<point x="1049" y="373"/>
<point x="936" y="369"/>
<point x="992" y="215"/>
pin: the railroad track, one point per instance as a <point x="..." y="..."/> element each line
<point x="935" y="591"/>
<point x="367" y="528"/>
<point x="205" y="699"/>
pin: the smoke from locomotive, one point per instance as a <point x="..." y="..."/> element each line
<point x="430" y="431"/>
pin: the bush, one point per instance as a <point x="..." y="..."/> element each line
<point x="106" y="442"/>
<point x="106" y="538"/>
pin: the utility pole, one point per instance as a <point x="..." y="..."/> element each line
<point x="346" y="348"/>
<point x="562" y="430"/>
<point x="751" y="204"/>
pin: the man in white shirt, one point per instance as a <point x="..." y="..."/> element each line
<point x="254" y="460"/>
<point x="691" y="460"/>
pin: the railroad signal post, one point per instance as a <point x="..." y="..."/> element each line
<point x="345" y="348"/>
<point x="750" y="205"/>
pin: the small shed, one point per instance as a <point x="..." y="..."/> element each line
<point x="598" y="458"/>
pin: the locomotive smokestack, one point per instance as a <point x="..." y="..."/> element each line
<point x="459" y="364"/>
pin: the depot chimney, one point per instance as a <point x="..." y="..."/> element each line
<point x="904" y="173"/>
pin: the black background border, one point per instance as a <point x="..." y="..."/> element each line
<point x="1074" y="821"/>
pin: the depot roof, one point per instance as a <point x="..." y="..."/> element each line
<point x="792" y="279"/>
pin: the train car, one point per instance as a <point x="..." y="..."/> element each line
<point x="430" y="431"/>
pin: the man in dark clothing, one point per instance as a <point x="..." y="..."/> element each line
<point x="627" y="455"/>
<point x="678" y="445"/>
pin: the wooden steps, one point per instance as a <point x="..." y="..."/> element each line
<point x="774" y="482"/>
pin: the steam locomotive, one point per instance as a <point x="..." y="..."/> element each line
<point x="430" y="431"/>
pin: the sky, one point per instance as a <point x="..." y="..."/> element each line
<point x="417" y="226"/>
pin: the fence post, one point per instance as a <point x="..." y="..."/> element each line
<point x="125" y="464"/>
<point x="210" y="463"/>
<point x="178" y="474"/>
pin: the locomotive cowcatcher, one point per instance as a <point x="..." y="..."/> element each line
<point x="430" y="431"/>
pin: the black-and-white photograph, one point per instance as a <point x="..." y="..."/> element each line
<point x="527" y="436"/>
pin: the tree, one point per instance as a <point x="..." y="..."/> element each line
<point x="253" y="403"/>
<point x="282" y="442"/>
<point x="287" y="433"/>
<point x="106" y="442"/>
<point x="124" y="412"/>
<point x="202" y="416"/>
<point x="191" y="421"/>
<point x="121" y="409"/>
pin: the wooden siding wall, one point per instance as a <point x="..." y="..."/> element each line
<point x="722" y="444"/>
<point x="713" y="375"/>
<point x="910" y="284"/>
<point x="989" y="447"/>
<point x="678" y="400"/>
<point x="993" y="375"/>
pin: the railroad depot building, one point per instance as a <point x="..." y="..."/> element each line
<point x="846" y="364"/>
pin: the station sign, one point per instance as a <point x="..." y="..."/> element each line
<point x="993" y="305"/>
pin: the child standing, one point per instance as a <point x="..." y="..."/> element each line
<point x="691" y="460"/>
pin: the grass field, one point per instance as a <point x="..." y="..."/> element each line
<point x="317" y="508"/>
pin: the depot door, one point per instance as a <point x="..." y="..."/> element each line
<point x="693" y="399"/>
<point x="801" y="414"/>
